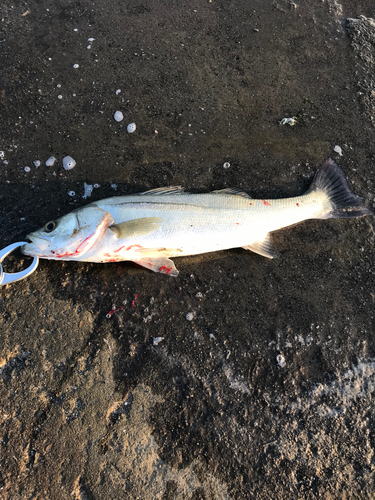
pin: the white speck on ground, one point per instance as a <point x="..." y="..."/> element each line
<point x="69" y="163"/>
<point x="118" y="116"/>
<point x="51" y="161"/>
<point x="59" y="96"/>
<point x="226" y="164"/>
<point x="27" y="169"/>
<point x="118" y="91"/>
<point x="190" y="316"/>
<point x="157" y="340"/>
<point x="88" y="190"/>
<point x="36" y="163"/>
<point x="337" y="150"/>
<point x="75" y="66"/>
<point x="280" y="361"/>
<point x="131" y="128"/>
<point x="71" y="193"/>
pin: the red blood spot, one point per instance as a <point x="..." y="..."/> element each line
<point x="165" y="270"/>
<point x="113" y="311"/>
<point x="266" y="203"/>
<point x="237" y="223"/>
<point x="297" y="204"/>
<point x="119" y="249"/>
<point x="135" y="298"/>
<point x="132" y="246"/>
<point x="250" y="203"/>
<point x="83" y="244"/>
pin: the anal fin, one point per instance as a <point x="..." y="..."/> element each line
<point x="161" y="265"/>
<point x="262" y="247"/>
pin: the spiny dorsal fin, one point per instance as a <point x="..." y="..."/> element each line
<point x="262" y="247"/>
<point x="165" y="191"/>
<point x="136" y="227"/>
<point x="232" y="191"/>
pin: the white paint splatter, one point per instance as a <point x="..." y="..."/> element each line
<point x="118" y="116"/>
<point x="69" y="163"/>
<point x="51" y="161"/>
<point x="131" y="128"/>
<point x="337" y="150"/>
<point x="88" y="190"/>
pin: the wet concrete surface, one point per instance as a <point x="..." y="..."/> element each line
<point x="94" y="408"/>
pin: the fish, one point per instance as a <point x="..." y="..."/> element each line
<point x="152" y="227"/>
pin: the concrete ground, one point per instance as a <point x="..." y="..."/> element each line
<point x="92" y="407"/>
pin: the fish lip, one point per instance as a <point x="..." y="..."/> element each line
<point x="36" y="244"/>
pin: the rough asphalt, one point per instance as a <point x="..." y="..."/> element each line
<point x="267" y="390"/>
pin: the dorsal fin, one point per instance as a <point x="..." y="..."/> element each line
<point x="232" y="191"/>
<point x="164" y="191"/>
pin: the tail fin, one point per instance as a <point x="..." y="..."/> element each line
<point x="344" y="203"/>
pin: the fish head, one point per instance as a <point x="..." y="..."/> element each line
<point x="70" y="236"/>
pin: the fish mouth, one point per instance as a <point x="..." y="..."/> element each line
<point x="37" y="244"/>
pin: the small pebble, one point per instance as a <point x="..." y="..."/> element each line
<point x="69" y="163"/>
<point x="59" y="96"/>
<point x="2" y="154"/>
<point x="199" y="295"/>
<point x="190" y="316"/>
<point x="75" y="66"/>
<point x="118" y="116"/>
<point x="226" y="164"/>
<point x="157" y="340"/>
<point x="96" y="186"/>
<point x="71" y="193"/>
<point x="280" y="360"/>
<point x="37" y="163"/>
<point x="118" y="91"/>
<point x="90" y="39"/>
<point x="51" y="161"/>
<point x="131" y="128"/>
<point x="27" y="169"/>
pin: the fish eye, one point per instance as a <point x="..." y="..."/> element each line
<point x="50" y="226"/>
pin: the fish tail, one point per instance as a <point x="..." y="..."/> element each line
<point x="342" y="202"/>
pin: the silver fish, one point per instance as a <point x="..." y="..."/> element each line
<point x="149" y="228"/>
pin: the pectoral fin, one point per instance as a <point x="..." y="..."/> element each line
<point x="136" y="227"/>
<point x="262" y="247"/>
<point x="159" y="265"/>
